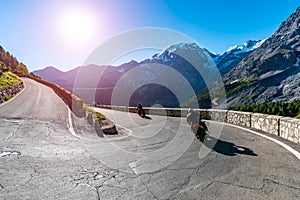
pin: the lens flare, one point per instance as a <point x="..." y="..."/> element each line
<point x="78" y="26"/>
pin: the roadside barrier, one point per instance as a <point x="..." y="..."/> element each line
<point x="285" y="127"/>
<point x="74" y="102"/>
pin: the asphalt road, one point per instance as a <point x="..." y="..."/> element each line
<point x="154" y="158"/>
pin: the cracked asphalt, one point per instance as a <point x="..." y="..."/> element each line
<point x="156" y="158"/>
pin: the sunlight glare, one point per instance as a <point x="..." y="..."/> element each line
<point x="78" y="26"/>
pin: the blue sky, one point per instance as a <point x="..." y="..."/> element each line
<point x="43" y="33"/>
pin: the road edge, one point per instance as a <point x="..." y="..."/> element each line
<point x="287" y="147"/>
<point x="70" y="125"/>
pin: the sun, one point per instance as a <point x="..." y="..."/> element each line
<point x="78" y="26"/>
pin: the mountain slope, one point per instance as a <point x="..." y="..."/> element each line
<point x="255" y="72"/>
<point x="271" y="71"/>
<point x="278" y="52"/>
<point x="64" y="79"/>
<point x="150" y="80"/>
<point x="228" y="60"/>
<point x="10" y="63"/>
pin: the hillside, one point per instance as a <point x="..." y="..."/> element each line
<point x="271" y="72"/>
<point x="10" y="63"/>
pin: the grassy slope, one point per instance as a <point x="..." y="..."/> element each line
<point x="8" y="78"/>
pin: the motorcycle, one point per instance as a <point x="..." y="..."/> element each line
<point x="200" y="130"/>
<point x="141" y="112"/>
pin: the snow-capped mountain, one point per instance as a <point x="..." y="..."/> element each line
<point x="254" y="72"/>
<point x="248" y="46"/>
<point x="182" y="49"/>
<point x="235" y="54"/>
<point x="152" y="79"/>
<point x="271" y="72"/>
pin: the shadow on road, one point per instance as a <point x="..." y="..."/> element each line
<point x="147" y="117"/>
<point x="98" y="129"/>
<point x="226" y="148"/>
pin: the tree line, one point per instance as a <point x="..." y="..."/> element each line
<point x="10" y="63"/>
<point x="291" y="109"/>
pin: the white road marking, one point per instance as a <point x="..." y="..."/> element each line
<point x="70" y="125"/>
<point x="132" y="165"/>
<point x="290" y="149"/>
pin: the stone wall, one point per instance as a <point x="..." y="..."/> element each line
<point x="239" y="118"/>
<point x="290" y="129"/>
<point x="10" y="91"/>
<point x="217" y="115"/>
<point x="287" y="128"/>
<point x="266" y="123"/>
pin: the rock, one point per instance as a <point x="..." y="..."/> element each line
<point x="10" y="91"/>
<point x="108" y="127"/>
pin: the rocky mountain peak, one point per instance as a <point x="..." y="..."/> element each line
<point x="250" y="43"/>
<point x="279" y="52"/>
<point x="291" y="26"/>
<point x="265" y="74"/>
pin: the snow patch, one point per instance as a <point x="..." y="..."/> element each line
<point x="238" y="49"/>
<point x="232" y="82"/>
<point x="232" y="48"/>
<point x="244" y="48"/>
<point x="270" y="73"/>
<point x="184" y="46"/>
<point x="258" y="44"/>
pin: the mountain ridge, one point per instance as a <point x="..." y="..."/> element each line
<point x="254" y="72"/>
<point x="270" y="67"/>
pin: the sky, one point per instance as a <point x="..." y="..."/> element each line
<point x="63" y="33"/>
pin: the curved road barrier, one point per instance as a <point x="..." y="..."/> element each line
<point x="73" y="101"/>
<point x="285" y="127"/>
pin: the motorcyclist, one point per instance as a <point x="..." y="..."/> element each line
<point x="140" y="110"/>
<point x="198" y="126"/>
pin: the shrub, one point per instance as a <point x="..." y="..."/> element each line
<point x="97" y="114"/>
<point x="291" y="109"/>
<point x="100" y="116"/>
<point x="8" y="78"/>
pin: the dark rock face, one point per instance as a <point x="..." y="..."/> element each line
<point x="271" y="70"/>
<point x="278" y="52"/>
